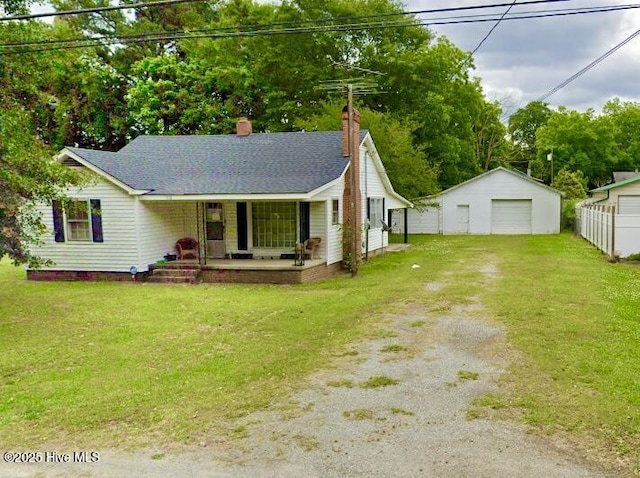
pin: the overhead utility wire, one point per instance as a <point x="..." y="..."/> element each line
<point x="129" y="6"/>
<point x="493" y="28"/>
<point x="164" y="2"/>
<point x="297" y="22"/>
<point x="180" y="35"/>
<point x="589" y="66"/>
<point x="248" y="30"/>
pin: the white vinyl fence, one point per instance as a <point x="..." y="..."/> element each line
<point x="616" y="235"/>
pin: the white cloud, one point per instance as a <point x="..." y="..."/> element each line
<point x="523" y="59"/>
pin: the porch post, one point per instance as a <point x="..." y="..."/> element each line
<point x="199" y="233"/>
<point x="406" y="225"/>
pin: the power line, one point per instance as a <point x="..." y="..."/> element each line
<point x="129" y="6"/>
<point x="493" y="27"/>
<point x="589" y="66"/>
<point x="255" y="30"/>
<point x="163" y="2"/>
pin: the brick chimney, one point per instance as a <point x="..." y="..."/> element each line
<point x="348" y="194"/>
<point x="243" y="127"/>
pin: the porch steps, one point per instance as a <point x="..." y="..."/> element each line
<point x="175" y="273"/>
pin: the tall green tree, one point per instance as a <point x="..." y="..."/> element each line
<point x="580" y="142"/>
<point x="572" y="184"/>
<point x="625" y="117"/>
<point x="523" y="127"/>
<point x="492" y="147"/>
<point x="407" y="165"/>
<point x="28" y="175"/>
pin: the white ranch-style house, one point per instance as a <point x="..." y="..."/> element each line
<point x="247" y="199"/>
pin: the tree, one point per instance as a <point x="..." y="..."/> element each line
<point x="625" y="117"/>
<point x="572" y="184"/>
<point x="523" y="127"/>
<point x="409" y="170"/>
<point x="173" y="96"/>
<point x="491" y="144"/>
<point x="580" y="142"/>
<point x="28" y="175"/>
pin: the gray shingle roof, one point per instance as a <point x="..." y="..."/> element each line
<point x="261" y="163"/>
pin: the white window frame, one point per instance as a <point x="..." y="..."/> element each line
<point x="257" y="234"/>
<point x="335" y="212"/>
<point x="376" y="214"/>
<point x="69" y="222"/>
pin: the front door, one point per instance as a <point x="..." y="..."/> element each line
<point x="214" y="219"/>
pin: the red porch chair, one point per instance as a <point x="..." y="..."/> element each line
<point x="187" y="246"/>
<point x="312" y="245"/>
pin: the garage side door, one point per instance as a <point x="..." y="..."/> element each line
<point x="629" y="205"/>
<point x="511" y="216"/>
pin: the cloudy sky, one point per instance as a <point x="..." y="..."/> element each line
<point x="524" y="59"/>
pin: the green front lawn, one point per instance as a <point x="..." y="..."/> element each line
<point x="104" y="363"/>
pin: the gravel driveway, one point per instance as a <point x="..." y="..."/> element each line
<point x="423" y="425"/>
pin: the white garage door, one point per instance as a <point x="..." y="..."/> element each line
<point x="628" y="204"/>
<point x="511" y="216"/>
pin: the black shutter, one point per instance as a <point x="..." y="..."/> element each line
<point x="369" y="209"/>
<point x="96" y="220"/>
<point x="241" y="213"/>
<point x="58" y="221"/>
<point x="382" y="215"/>
<point x="305" y="226"/>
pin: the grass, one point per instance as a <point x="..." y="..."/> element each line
<point x="345" y="382"/>
<point x="393" y="348"/>
<point x="464" y="375"/>
<point x="306" y="442"/>
<point x="358" y="414"/>
<point x="574" y="320"/>
<point x="401" y="411"/>
<point x="379" y="381"/>
<point x="98" y="363"/>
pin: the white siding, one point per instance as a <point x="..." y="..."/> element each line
<point x="231" y="227"/>
<point x="372" y="186"/>
<point x="117" y="253"/>
<point x="610" y="198"/>
<point x="332" y="237"/>
<point x="397" y="221"/>
<point x="420" y="221"/>
<point x="501" y="185"/>
<point x="425" y="221"/>
<point x="318" y="224"/>
<point x="160" y="225"/>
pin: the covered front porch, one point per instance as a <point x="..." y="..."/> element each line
<point x="229" y="230"/>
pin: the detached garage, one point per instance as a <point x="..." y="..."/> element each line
<point x="499" y="201"/>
